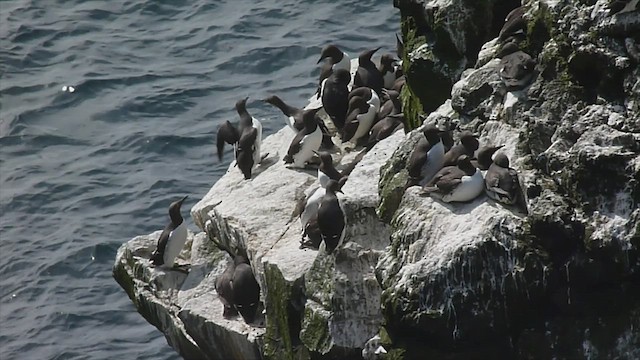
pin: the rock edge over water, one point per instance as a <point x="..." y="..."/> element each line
<point x="451" y="281"/>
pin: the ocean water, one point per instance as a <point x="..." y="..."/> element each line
<point x="83" y="172"/>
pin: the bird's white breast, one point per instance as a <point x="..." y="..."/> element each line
<point x="435" y="161"/>
<point x="177" y="239"/>
<point x="310" y="143"/>
<point x="256" y="151"/>
<point x="312" y="206"/>
<point x="365" y="121"/>
<point x="467" y="190"/>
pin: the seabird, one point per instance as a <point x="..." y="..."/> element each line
<point x="306" y="141"/>
<point x="309" y="216"/>
<point x="460" y="183"/>
<point x="514" y="24"/>
<point x="385" y="127"/>
<point x="331" y="217"/>
<point x="428" y="156"/>
<point x="502" y="182"/>
<point x="338" y="59"/>
<point x="246" y="291"/>
<point x="294" y="118"/>
<point x="172" y="238"/>
<point x="388" y="70"/>
<point x="360" y="118"/>
<point x="392" y="105"/>
<point x="368" y="94"/>
<point x="229" y="134"/>
<point x="246" y="150"/>
<point x="225" y="291"/>
<point x="484" y="155"/>
<point x="368" y="74"/>
<point x="335" y="96"/>
<point x="467" y="146"/>
<point x="326" y="170"/>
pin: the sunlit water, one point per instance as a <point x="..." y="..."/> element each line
<point x="83" y="172"/>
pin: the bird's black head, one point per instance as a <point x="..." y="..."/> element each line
<point x="325" y="158"/>
<point x="331" y="51"/>
<point x="432" y="133"/>
<point x="469" y="140"/>
<point x="366" y="55"/>
<point x="273" y="100"/>
<point x="239" y="259"/>
<point x="501" y="160"/>
<point x="464" y="163"/>
<point x="241" y="105"/>
<point x="388" y="61"/>
<point x="336" y="186"/>
<point x="174" y="210"/>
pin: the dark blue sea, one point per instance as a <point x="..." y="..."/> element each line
<point x="83" y="172"/>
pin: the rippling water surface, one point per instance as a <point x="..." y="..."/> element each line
<point x="83" y="172"/>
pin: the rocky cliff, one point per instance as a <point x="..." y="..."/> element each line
<point x="437" y="280"/>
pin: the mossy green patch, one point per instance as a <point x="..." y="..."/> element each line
<point x="315" y="333"/>
<point x="283" y="323"/>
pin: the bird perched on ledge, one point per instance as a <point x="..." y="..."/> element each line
<point x="172" y="239"/>
<point x="246" y="139"/>
<point x="238" y="290"/>
<point x="460" y="183"/>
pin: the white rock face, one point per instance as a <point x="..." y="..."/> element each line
<point x="260" y="217"/>
<point x="185" y="307"/>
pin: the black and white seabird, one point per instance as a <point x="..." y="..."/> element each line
<point x="368" y="74"/>
<point x="467" y="146"/>
<point x="309" y="216"/>
<point x="229" y="134"/>
<point x="172" y="238"/>
<point x="514" y="24"/>
<point x="338" y="59"/>
<point x="460" y="183"/>
<point x="326" y="170"/>
<point x="484" y="156"/>
<point x="399" y="83"/>
<point x="246" y="291"/>
<point x="293" y="114"/>
<point x="368" y="94"/>
<point x="225" y="291"/>
<point x="428" y="156"/>
<point x="502" y="182"/>
<point x="385" y="128"/>
<point x="331" y="217"/>
<point x="387" y="68"/>
<point x="392" y="105"/>
<point x="238" y="290"/>
<point x="306" y="142"/>
<point x="294" y="118"/>
<point x="335" y="96"/>
<point x="246" y="150"/>
<point x="360" y="118"/>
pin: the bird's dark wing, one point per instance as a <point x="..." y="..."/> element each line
<point x="227" y="133"/>
<point x="157" y="258"/>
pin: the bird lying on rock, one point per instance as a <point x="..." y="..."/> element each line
<point x="427" y="157"/>
<point x="460" y="183"/>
